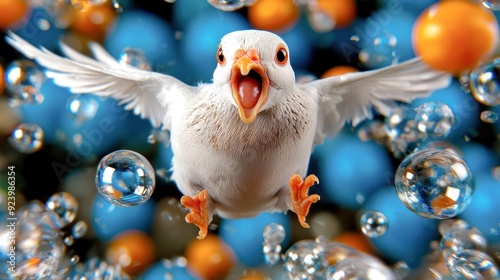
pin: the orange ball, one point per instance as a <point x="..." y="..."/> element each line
<point x="93" y="22"/>
<point x="343" y="12"/>
<point x="455" y="35"/>
<point x="355" y="240"/>
<point x="273" y="15"/>
<point x="2" y="79"/>
<point x="209" y="257"/>
<point x="133" y="250"/>
<point x="339" y="70"/>
<point x="12" y="11"/>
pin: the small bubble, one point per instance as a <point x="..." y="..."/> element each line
<point x="305" y="260"/>
<point x="27" y="138"/>
<point x="435" y="119"/>
<point x="472" y="264"/>
<point x="64" y="208"/>
<point x="24" y="80"/>
<point x="403" y="137"/>
<point x="82" y="108"/>
<point x="79" y="229"/>
<point x="461" y="238"/>
<point x="373" y="224"/>
<point x="434" y="183"/>
<point x="69" y="240"/>
<point x="489" y="116"/>
<point x="319" y="20"/>
<point x="274" y="233"/>
<point x="464" y="80"/>
<point x="74" y="259"/>
<point x="485" y="83"/>
<point x="227" y="5"/>
<point x="380" y="51"/>
<point x="135" y="58"/>
<point x="125" y="178"/>
<point x="491" y="4"/>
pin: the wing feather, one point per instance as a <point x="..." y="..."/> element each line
<point x="351" y="97"/>
<point x="148" y="94"/>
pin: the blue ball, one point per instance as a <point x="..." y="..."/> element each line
<point x="483" y="211"/>
<point x="108" y="220"/>
<point x="410" y="6"/>
<point x="300" y="47"/>
<point x="202" y="37"/>
<point x="465" y="108"/>
<point x="185" y="10"/>
<point x="50" y="112"/>
<point x="161" y="268"/>
<point x="147" y="32"/>
<point x="479" y="157"/>
<point x="408" y="235"/>
<point x="244" y="236"/>
<point x="40" y="30"/>
<point x="351" y="170"/>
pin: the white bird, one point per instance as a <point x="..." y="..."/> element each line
<point x="242" y="143"/>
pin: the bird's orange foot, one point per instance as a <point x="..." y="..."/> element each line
<point x="199" y="214"/>
<point x="301" y="202"/>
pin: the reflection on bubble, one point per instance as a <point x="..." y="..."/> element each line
<point x="435" y="119"/>
<point x="27" y="138"/>
<point x="273" y="235"/>
<point x="472" y="264"/>
<point x="125" y="178"/>
<point x="434" y="183"/>
<point x="64" y="208"/>
<point x="373" y="223"/>
<point x="228" y="5"/>
<point x="24" y="80"/>
<point x="460" y="238"/>
<point x="485" y="83"/>
<point x="134" y="57"/>
<point x="489" y="116"/>
<point x="491" y="4"/>
<point x="82" y="107"/>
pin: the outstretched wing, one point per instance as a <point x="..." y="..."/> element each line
<point x="148" y="94"/>
<point x="351" y="97"/>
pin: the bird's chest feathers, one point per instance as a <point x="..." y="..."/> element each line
<point x="218" y="125"/>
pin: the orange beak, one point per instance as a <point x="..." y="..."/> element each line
<point x="249" y="84"/>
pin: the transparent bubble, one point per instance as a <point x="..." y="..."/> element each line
<point x="27" y="138"/>
<point x="272" y="253"/>
<point x="461" y="238"/>
<point x="79" y="229"/>
<point x="434" y="183"/>
<point x="74" y="259"/>
<point x="69" y="240"/>
<point x="274" y="233"/>
<point x="96" y="268"/>
<point x="402" y="134"/>
<point x="381" y="51"/>
<point x="373" y="224"/>
<point x="228" y="5"/>
<point x="82" y="107"/>
<point x="491" y="4"/>
<point x="360" y="266"/>
<point x="489" y="116"/>
<point x="64" y="207"/>
<point x="125" y="178"/>
<point x="472" y="264"/>
<point x="449" y="225"/>
<point x="134" y="57"/>
<point x="24" y="80"/>
<point x="435" y="119"/>
<point x="485" y="83"/>
<point x="318" y="19"/>
<point x="305" y="260"/>
<point x="464" y="81"/>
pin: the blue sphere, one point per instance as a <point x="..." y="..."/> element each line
<point x="244" y="236"/>
<point x="351" y="170"/>
<point x="185" y="10"/>
<point x="408" y="235"/>
<point x="40" y="30"/>
<point x="160" y="269"/>
<point x="201" y="39"/>
<point x="479" y="157"/>
<point x="410" y="6"/>
<point x="108" y="220"/>
<point x="147" y="32"/>
<point x="300" y="48"/>
<point x="483" y="211"/>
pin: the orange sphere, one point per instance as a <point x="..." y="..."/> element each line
<point x="2" y="79"/>
<point x="12" y="11"/>
<point x="355" y="240"/>
<point x="133" y="250"/>
<point x="209" y="257"/>
<point x="93" y="22"/>
<point x="339" y="70"/>
<point x="455" y="35"/>
<point x="343" y="12"/>
<point x="273" y="15"/>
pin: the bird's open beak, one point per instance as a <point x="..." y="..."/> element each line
<point x="249" y="84"/>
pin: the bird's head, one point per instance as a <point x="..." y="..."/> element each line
<point x="256" y="67"/>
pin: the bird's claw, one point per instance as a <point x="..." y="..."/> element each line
<point x="199" y="214"/>
<point x="301" y="201"/>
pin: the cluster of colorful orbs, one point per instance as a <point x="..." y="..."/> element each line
<point x="385" y="186"/>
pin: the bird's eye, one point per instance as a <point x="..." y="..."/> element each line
<point x="220" y="56"/>
<point x="281" y="55"/>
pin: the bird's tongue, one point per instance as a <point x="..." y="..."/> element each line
<point x="249" y="90"/>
